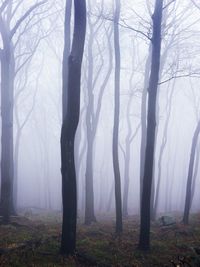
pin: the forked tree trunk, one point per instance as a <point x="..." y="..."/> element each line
<point x="69" y="126"/>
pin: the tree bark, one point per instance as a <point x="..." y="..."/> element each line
<point x="69" y="126"/>
<point x="144" y="242"/>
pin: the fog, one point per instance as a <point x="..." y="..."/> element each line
<point x="39" y="178"/>
<point x="38" y="45"/>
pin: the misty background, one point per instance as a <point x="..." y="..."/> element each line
<point x="38" y="101"/>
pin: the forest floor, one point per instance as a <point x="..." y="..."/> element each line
<point x="33" y="239"/>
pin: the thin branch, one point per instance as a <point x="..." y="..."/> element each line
<point x="195" y="4"/>
<point x="4" y="5"/>
<point x="193" y="75"/>
<point x="135" y="133"/>
<point x="171" y="2"/>
<point x="125" y="25"/>
<point x="28" y="12"/>
<point x="122" y="150"/>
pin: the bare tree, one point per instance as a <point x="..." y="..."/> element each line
<point x="144" y="242"/>
<point x="118" y="200"/>
<point x="8" y="72"/>
<point x="92" y="112"/>
<point x="69" y="126"/>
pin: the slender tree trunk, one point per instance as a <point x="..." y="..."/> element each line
<point x="190" y="175"/>
<point x="194" y="180"/>
<point x="89" y="190"/>
<point x="162" y="149"/>
<point x="16" y="161"/>
<point x="67" y="46"/>
<point x="127" y="163"/>
<point x="126" y="180"/>
<point x="92" y="117"/>
<point x="69" y="126"/>
<point x="144" y="242"/>
<point x="111" y="195"/>
<point x="167" y="185"/>
<point x="144" y="119"/>
<point x="118" y="201"/>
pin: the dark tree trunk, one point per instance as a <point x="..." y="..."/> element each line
<point x="69" y="126"/>
<point x="118" y="201"/>
<point x="190" y="175"/>
<point x="7" y="162"/>
<point x="6" y="137"/>
<point x="144" y="242"/>
<point x="144" y="120"/>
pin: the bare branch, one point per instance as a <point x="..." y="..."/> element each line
<point x="4" y="5"/>
<point x="171" y="2"/>
<point x="133" y="29"/>
<point x="122" y="150"/>
<point x="193" y="75"/>
<point x="28" y="12"/>
<point x="125" y="25"/>
<point x="135" y="133"/>
<point x="195" y="4"/>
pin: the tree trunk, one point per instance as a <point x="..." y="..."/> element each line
<point x="190" y="175"/>
<point x="89" y="190"/>
<point x="118" y="201"/>
<point x="69" y="126"/>
<point x="92" y="117"/>
<point x="162" y="149"/>
<point x="67" y="46"/>
<point x="7" y="162"/>
<point x="196" y="168"/>
<point x="127" y="163"/>
<point x="144" y="242"/>
<point x="144" y="120"/>
<point x="16" y="161"/>
<point x="110" y="198"/>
